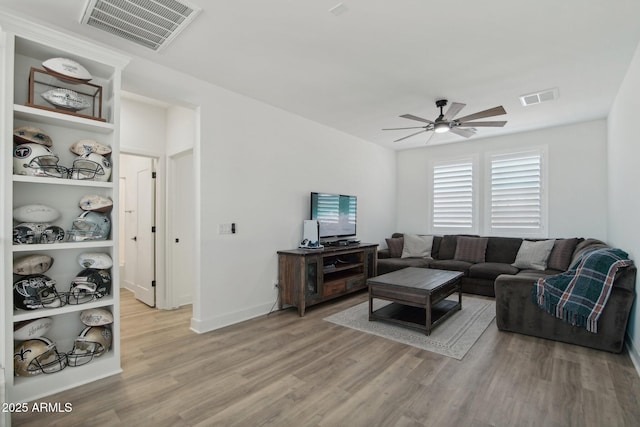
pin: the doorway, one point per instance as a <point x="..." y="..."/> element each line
<point x="138" y="226"/>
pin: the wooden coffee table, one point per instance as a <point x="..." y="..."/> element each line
<point x="418" y="295"/>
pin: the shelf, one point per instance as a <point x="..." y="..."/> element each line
<point x="340" y="267"/>
<point x="21" y="315"/>
<point x="61" y="181"/>
<point x="63" y="246"/>
<point x="22" y="112"/>
<point x="32" y="388"/>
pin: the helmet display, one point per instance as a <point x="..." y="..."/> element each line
<point x="91" y="166"/>
<point x="37" y="356"/>
<point x="89" y="285"/>
<point x="36" y="291"/>
<point x="90" y="226"/>
<point x="37" y="160"/>
<point x="93" y="341"/>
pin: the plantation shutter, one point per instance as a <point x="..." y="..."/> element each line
<point x="516" y="192"/>
<point x="453" y="196"/>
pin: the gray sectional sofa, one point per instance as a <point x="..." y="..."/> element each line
<point x="487" y="264"/>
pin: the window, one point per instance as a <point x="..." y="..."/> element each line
<point x="453" y="201"/>
<point x="516" y="197"/>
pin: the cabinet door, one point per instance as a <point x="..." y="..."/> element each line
<point x="312" y="286"/>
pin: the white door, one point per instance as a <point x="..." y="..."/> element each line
<point x="181" y="200"/>
<point x="145" y="235"/>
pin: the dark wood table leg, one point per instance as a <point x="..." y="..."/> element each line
<point x="427" y="310"/>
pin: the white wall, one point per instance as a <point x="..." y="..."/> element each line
<point x="577" y="177"/>
<point x="142" y="127"/>
<point x="624" y="176"/>
<point x="256" y="166"/>
<point x="181" y="129"/>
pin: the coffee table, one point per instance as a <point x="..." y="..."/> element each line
<point x="418" y="297"/>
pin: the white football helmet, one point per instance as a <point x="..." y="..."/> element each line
<point x="37" y="160"/>
<point x="37" y="356"/>
<point x="93" y="341"/>
<point x="90" y="226"/>
<point x="92" y="167"/>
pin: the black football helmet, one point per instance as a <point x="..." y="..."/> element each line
<point x="90" y="284"/>
<point x="36" y="291"/>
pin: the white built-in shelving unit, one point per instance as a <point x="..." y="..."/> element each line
<point x="25" y="45"/>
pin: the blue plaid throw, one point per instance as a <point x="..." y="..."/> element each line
<point x="579" y="295"/>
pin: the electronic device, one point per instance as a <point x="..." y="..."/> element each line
<point x="335" y="213"/>
<point x="310" y="235"/>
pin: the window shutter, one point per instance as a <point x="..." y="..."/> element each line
<point x="516" y="192"/>
<point x="453" y="196"/>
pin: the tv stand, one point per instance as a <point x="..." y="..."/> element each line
<point x="309" y="277"/>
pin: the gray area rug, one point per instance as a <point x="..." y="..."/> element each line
<point x="453" y="338"/>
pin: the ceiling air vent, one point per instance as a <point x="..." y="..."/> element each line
<point x="539" y="97"/>
<point x="150" y="23"/>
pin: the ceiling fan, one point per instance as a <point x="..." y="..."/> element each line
<point x="445" y="122"/>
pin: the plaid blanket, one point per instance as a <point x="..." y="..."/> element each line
<point x="579" y="295"/>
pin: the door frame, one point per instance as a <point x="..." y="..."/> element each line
<point x="161" y="179"/>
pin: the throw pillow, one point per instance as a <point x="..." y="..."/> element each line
<point x="417" y="246"/>
<point x="471" y="249"/>
<point x="561" y="253"/>
<point x="395" y="246"/>
<point x="534" y="255"/>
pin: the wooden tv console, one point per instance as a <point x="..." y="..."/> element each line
<point x="310" y="276"/>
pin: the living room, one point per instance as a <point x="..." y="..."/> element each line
<point x="257" y="163"/>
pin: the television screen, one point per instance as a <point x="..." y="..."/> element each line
<point x="335" y="213"/>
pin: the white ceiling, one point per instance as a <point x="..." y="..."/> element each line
<point x="357" y="72"/>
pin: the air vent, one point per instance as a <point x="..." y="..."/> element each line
<point x="539" y="97"/>
<point x="149" y="23"/>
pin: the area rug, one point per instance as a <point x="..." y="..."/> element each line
<point x="453" y="338"/>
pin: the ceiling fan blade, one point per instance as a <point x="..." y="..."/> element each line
<point x="485" y="124"/>
<point x="467" y="133"/>
<point x="412" y="117"/>
<point x="453" y="110"/>
<point x="414" y="127"/>
<point x="429" y="139"/>
<point x="409" y="136"/>
<point x="495" y="111"/>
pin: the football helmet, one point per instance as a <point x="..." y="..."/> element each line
<point x="93" y="341"/>
<point x="37" y="356"/>
<point x="36" y="291"/>
<point x="29" y="233"/>
<point x="89" y="285"/>
<point x="92" y="167"/>
<point x="37" y="160"/>
<point x="90" y="226"/>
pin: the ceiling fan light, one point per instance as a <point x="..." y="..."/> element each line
<point x="441" y="127"/>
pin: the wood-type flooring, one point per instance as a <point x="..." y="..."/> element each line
<point x="283" y="370"/>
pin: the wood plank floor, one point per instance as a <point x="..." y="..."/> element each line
<point x="282" y="370"/>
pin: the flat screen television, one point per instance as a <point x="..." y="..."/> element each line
<point x="335" y="213"/>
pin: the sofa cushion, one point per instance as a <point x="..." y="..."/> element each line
<point x="561" y="253"/>
<point x="491" y="270"/>
<point x="471" y="249"/>
<point x="395" y="247"/>
<point x="435" y="248"/>
<point x="534" y="254"/>
<point x="388" y="265"/>
<point x="502" y="249"/>
<point x="447" y="246"/>
<point x="586" y="245"/>
<point x="536" y="274"/>
<point x="452" y="265"/>
<point x="416" y="246"/>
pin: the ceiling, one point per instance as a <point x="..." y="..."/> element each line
<point x="359" y="70"/>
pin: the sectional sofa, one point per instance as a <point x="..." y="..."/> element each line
<point x="507" y="268"/>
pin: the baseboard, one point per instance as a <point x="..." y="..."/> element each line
<point x="633" y="353"/>
<point x="201" y="326"/>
